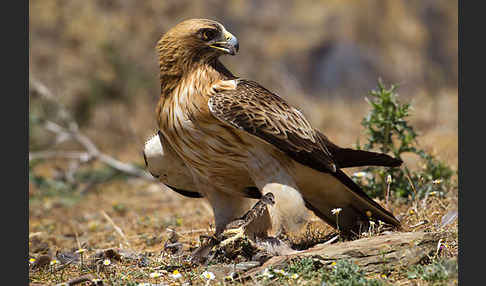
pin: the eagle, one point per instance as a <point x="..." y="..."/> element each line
<point x="239" y="141"/>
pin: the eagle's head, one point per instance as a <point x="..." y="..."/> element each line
<point x="193" y="41"/>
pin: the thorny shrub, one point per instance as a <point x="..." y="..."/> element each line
<point x="388" y="131"/>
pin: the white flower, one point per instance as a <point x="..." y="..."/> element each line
<point x="294" y="276"/>
<point x="336" y="211"/>
<point x="208" y="275"/>
<point x="360" y="174"/>
<point x="267" y="273"/>
<point x="106" y="262"/>
<point x="436" y="182"/>
<point x="54" y="262"/>
<point x="175" y="274"/>
<point x="388" y="179"/>
<point x="155" y="274"/>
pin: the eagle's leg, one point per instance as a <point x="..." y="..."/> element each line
<point x="289" y="212"/>
<point x="227" y="207"/>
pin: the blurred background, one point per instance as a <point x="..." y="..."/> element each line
<point x="93" y="66"/>
<point x="98" y="59"/>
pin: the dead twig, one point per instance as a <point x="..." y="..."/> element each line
<point x="415" y="193"/>
<point x="79" y="155"/>
<point x="61" y="267"/>
<point x="331" y="240"/>
<point x="419" y="224"/>
<point x="94" y="153"/>
<point x="196" y="231"/>
<point x="76" y="235"/>
<point x="118" y="229"/>
<point x="72" y="132"/>
<point x="84" y="278"/>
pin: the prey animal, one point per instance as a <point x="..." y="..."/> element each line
<point x="238" y="141"/>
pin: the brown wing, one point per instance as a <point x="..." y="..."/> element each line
<point x="347" y="157"/>
<point x="256" y="110"/>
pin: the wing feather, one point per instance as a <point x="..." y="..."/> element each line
<point x="254" y="109"/>
<point x="347" y="157"/>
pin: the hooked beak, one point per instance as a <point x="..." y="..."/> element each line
<point x="229" y="44"/>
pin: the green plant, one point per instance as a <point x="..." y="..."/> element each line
<point x="48" y="186"/>
<point x="388" y="131"/>
<point x="346" y="273"/>
<point x="438" y="272"/>
<point x="69" y="190"/>
<point x="305" y="268"/>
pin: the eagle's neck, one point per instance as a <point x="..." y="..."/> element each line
<point x="174" y="74"/>
<point x="189" y="90"/>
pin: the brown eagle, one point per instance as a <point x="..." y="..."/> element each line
<point x="239" y="140"/>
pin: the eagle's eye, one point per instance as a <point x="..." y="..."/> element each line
<point x="208" y="34"/>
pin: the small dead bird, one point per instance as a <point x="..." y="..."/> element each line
<point x="238" y="226"/>
<point x="256" y="211"/>
<point x="235" y="229"/>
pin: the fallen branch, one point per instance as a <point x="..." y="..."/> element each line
<point x="118" y="229"/>
<point x="72" y="132"/>
<point x="79" y="155"/>
<point x="81" y="279"/>
<point x="372" y="255"/>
